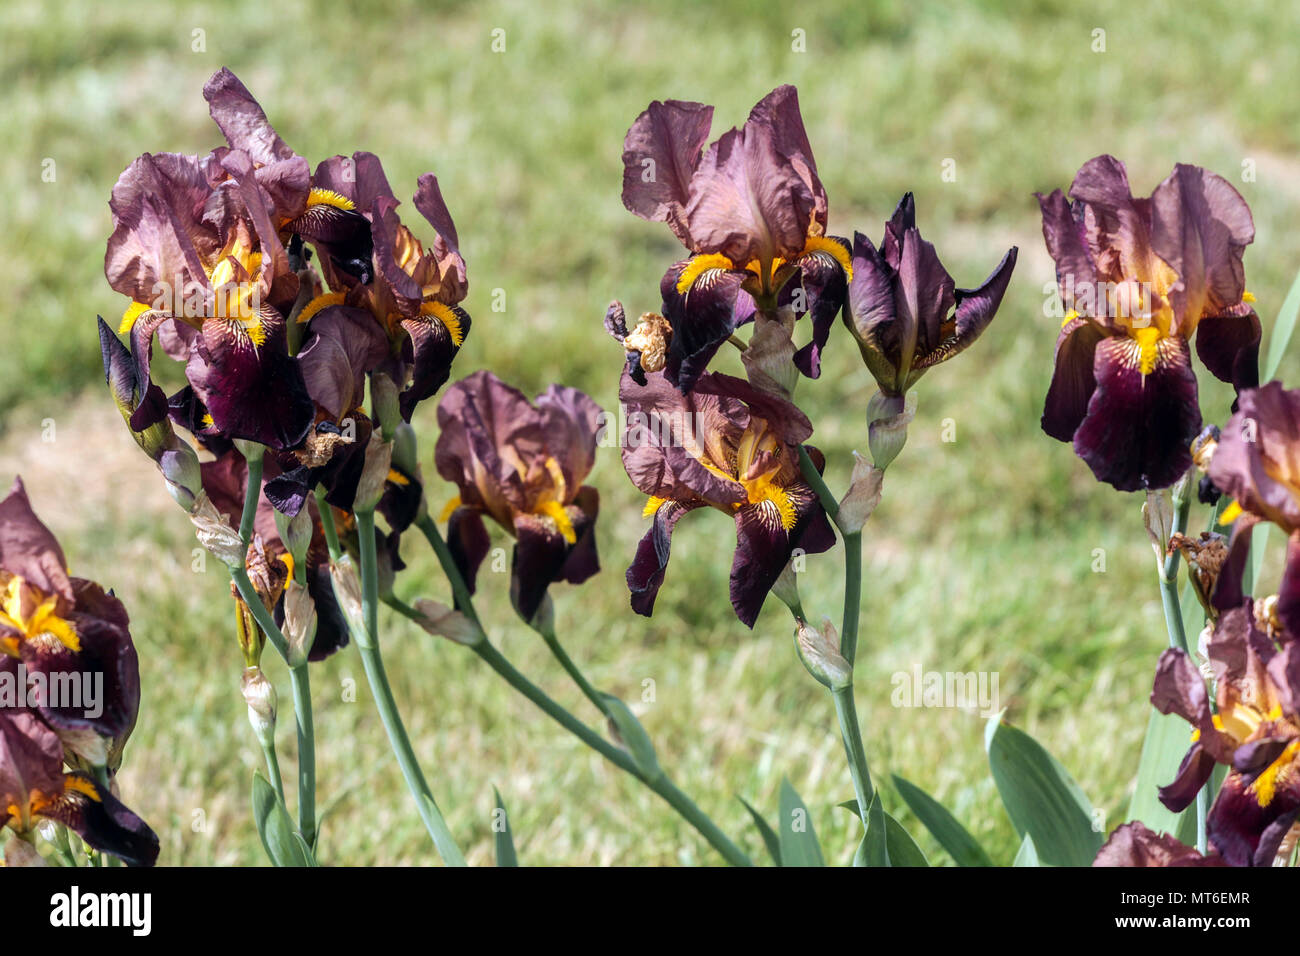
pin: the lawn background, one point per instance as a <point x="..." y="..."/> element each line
<point x="980" y="557"/>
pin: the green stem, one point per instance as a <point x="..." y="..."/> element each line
<point x="252" y="490"/>
<point x="659" y="784"/>
<point x="302" y="711"/>
<point x="845" y="706"/>
<point x="1174" y="625"/>
<point x="579" y="678"/>
<point x="847" y="712"/>
<point x="368" y="644"/>
<point x="327" y="524"/>
<point x="273" y="768"/>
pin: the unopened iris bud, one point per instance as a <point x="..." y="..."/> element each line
<point x="299" y="622"/>
<point x="21" y="852"/>
<point x="442" y="621"/>
<point x="347" y="591"/>
<point x="819" y="650"/>
<point x="259" y="694"/>
<point x="862" y="497"/>
<point x="247" y="631"/>
<point x="769" y="357"/>
<point x="887" y="419"/>
<point x="384" y="404"/>
<point x="179" y="465"/>
<point x="1158" y="516"/>
<point x="215" y="533"/>
<point x="370" y="486"/>
<point x="295" y="532"/>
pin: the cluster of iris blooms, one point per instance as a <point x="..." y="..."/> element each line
<point x="292" y="295"/>
<point x="1141" y="278"/>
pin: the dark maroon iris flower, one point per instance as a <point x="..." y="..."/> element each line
<point x="1139" y="278"/>
<point x="904" y="309"/>
<point x="728" y="446"/>
<point x="751" y="211"/>
<point x="521" y="464"/>
<point x="65" y="642"/>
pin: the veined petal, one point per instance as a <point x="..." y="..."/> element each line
<point x="1139" y="427"/>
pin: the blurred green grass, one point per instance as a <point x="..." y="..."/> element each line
<point x="980" y="557"/>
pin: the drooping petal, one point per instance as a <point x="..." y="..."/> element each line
<point x="975" y="310"/>
<point x="823" y="287"/>
<point x="1193" y="772"/>
<point x="255" y="392"/>
<point x="1228" y="344"/>
<point x="1138" y="429"/>
<point x="1133" y="844"/>
<point x="467" y="538"/>
<point x="764" y="547"/>
<point x="433" y="348"/>
<point x="100" y="819"/>
<point x="703" y="316"/>
<point x="1073" y="381"/>
<point x="646" y="574"/>
<point x="1246" y="826"/>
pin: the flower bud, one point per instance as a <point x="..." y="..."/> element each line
<point x="295" y="532"/>
<point x="20" y="852"/>
<point x="384" y="404"/>
<point x="887" y="419"/>
<point x="299" y="622"/>
<point x="862" y="497"/>
<point x="179" y="465"/>
<point x="215" y="533"/>
<point x="1158" y="516"/>
<point x="820" y="652"/>
<point x="442" y="621"/>
<point x="247" y="631"/>
<point x="769" y="357"/>
<point x="347" y="591"/>
<point x="370" y="486"/>
<point x="259" y="694"/>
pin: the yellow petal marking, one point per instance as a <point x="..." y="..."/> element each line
<point x="447" y="316"/>
<point x="697" y="266"/>
<point x="320" y="302"/>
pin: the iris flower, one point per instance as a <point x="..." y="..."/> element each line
<point x="62" y="627"/>
<point x="751" y="211"/>
<point x="904" y="309"/>
<point x="34" y="787"/>
<point x="198" y="248"/>
<point x="406" y="318"/>
<point x="729" y="446"/>
<point x="521" y="464"/>
<point x="1254" y="730"/>
<point x="1139" y="278"/>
